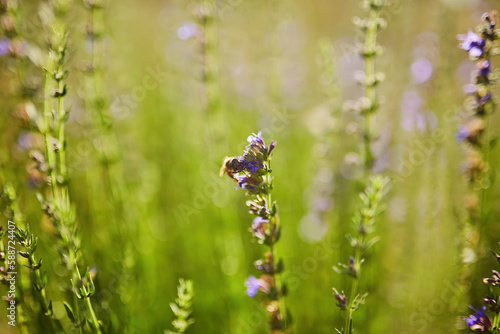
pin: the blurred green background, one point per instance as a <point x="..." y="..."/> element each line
<point x="286" y="68"/>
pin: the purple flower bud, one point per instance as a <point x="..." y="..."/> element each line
<point x="341" y="299"/>
<point x="484" y="68"/>
<point x="497" y="257"/>
<point x="271" y="148"/>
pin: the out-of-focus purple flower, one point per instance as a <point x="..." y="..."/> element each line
<point x="259" y="227"/>
<point x="411" y="101"/>
<point x="462" y="133"/>
<point x="484" y="67"/>
<point x="187" y="30"/>
<point x="25" y="141"/>
<point x="253" y="286"/>
<point x="421" y="70"/>
<point x="4" y="46"/>
<point x="464" y="71"/>
<point x="469" y="89"/>
<point x="472" y="43"/>
<point x="412" y="118"/>
<point x="484" y="99"/>
<point x="479" y="320"/>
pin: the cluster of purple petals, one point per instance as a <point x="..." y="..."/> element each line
<point x="478" y="320"/>
<point x="472" y="43"/>
<point x="254" y="161"/>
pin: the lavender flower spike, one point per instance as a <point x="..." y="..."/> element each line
<point x="252" y="172"/>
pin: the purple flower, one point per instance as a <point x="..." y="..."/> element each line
<point x="4" y="46"/>
<point x="421" y="70"/>
<point x="484" y="68"/>
<point x="253" y="286"/>
<point x="479" y="320"/>
<point x="256" y="138"/>
<point x="249" y="169"/>
<point x="187" y="30"/>
<point x="472" y="43"/>
<point x="462" y="133"/>
<point x="252" y="161"/>
<point x="248" y="183"/>
<point x="259" y="227"/>
<point x="484" y="99"/>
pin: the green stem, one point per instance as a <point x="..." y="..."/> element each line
<point x="95" y="322"/>
<point x="369" y="87"/>
<point x="348" y="318"/>
<point x="274" y="226"/>
<point x="49" y="152"/>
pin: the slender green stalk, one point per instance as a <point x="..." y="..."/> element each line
<point x="369" y="104"/>
<point x="29" y="243"/>
<point x="209" y="56"/>
<point x="274" y="225"/>
<point x="361" y="241"/>
<point x="58" y="207"/>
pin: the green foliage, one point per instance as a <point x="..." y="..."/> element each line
<point x="182" y="307"/>
<point x="147" y="116"/>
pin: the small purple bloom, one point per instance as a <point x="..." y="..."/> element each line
<point x="484" y="99"/>
<point x="469" y="89"/>
<point x="187" y="30"/>
<point x="462" y="133"/>
<point x="479" y="320"/>
<point x="253" y="286"/>
<point x="4" y="46"/>
<point x="255" y="138"/>
<point x="251" y="162"/>
<point x="259" y="227"/>
<point x="421" y="70"/>
<point x="472" y="43"/>
<point x="484" y="68"/>
<point x="258" y="221"/>
<point x="247" y="183"/>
